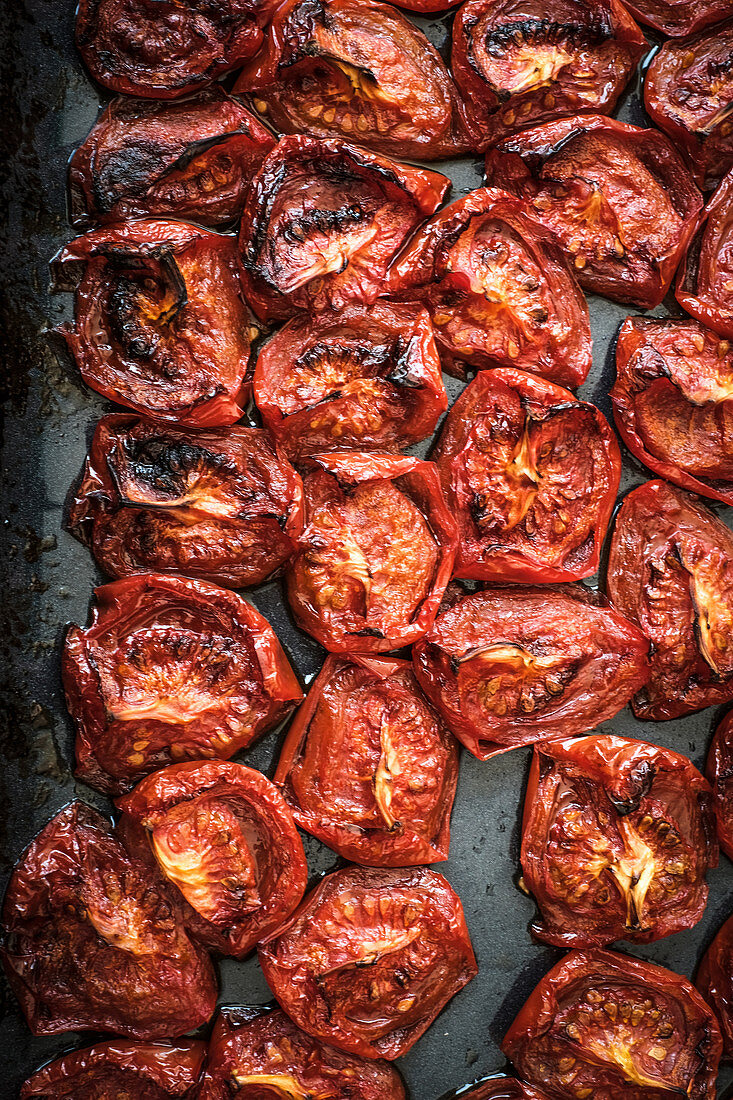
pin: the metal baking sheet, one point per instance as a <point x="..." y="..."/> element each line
<point x="49" y="579"/>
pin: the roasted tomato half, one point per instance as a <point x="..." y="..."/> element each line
<point x="376" y="554"/>
<point x="323" y="221"/>
<point x="715" y="981"/>
<point x="497" y="1087"/>
<point x="370" y="958"/>
<point x="531" y="476"/>
<point x="670" y="571"/>
<point x="220" y="505"/>
<point x="719" y="771"/>
<point x="619" y="199"/>
<point x="678" y="17"/>
<point x="705" y="278"/>
<point x="267" y="1055"/>
<point x="368" y="767"/>
<point x="160" y="324"/>
<point x="520" y="62"/>
<point x="118" y="1070"/>
<point x="498" y="288"/>
<point x="510" y="666"/>
<point x="92" y="943"/>
<point x="192" y="159"/>
<point x="170" y="670"/>
<point x="611" y="1027"/>
<point x="673" y="402"/>
<point x="224" y="837"/>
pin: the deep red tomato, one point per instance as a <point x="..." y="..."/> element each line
<point x="118" y="1070"/>
<point x="170" y="670"/>
<point x="719" y="770"/>
<point x="367" y="378"/>
<point x="510" y="666"/>
<point x="368" y="767"/>
<point x="160" y="324"/>
<point x="705" y="278"/>
<point x="361" y="72"/>
<point x="376" y="554"/>
<point x="497" y="1087"/>
<point x="673" y="402"/>
<point x="426" y="7"/>
<point x="610" y="1027"/>
<point x="323" y="221"/>
<point x="252" y="1055"/>
<point x="531" y="476"/>
<point x="677" y="17"/>
<point x="520" y="62"/>
<point x="370" y="958"/>
<point x="715" y="981"/>
<point x="619" y="198"/>
<point x="191" y="159"/>
<point x="670" y="570"/>
<point x="220" y="505"/>
<point x="498" y="288"/>
<point x="91" y="943"/>
<point x="223" y="835"/>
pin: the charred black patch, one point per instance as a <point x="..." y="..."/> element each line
<point x="326" y="222"/>
<point x="540" y="32"/>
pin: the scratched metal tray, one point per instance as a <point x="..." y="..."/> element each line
<point x="49" y="579"/>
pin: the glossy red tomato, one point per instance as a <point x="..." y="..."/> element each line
<point x="509" y="666"/>
<point x="367" y="378"/>
<point x="370" y="958"/>
<point x="170" y="670"/>
<point x="677" y="17"/>
<point x="619" y="198"/>
<point x="715" y="981"/>
<point x="376" y="554"/>
<point x="719" y="771"/>
<point x="498" y="288"/>
<point x="673" y="402"/>
<point x="160" y="324"/>
<point x="91" y="942"/>
<point x="497" y="1087"/>
<point x="224" y="837"/>
<point x="611" y="1027"/>
<point x="426" y="7"/>
<point x="531" y="476"/>
<point x="220" y="505"/>
<point x="670" y="570"/>
<point x="323" y="221"/>
<point x="705" y="278"/>
<point x="117" y="1070"/>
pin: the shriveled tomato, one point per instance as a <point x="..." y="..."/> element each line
<point x="190" y="159"/>
<point x="220" y="505"/>
<point x="715" y="981"/>
<point x="719" y="770"/>
<point x="370" y="958"/>
<point x="670" y="570"/>
<point x="120" y="1070"/>
<point x="160" y="322"/>
<point x="497" y="1087"/>
<point x="677" y="17"/>
<point x="611" y="1027"/>
<point x="520" y="62"/>
<point x="170" y="670"/>
<point x="531" y="476"/>
<point x="673" y="402"/>
<point x="705" y="278"/>
<point x="323" y="221"/>
<point x="91" y="943"/>
<point x="426" y="6"/>
<point x="376" y="553"/>
<point x="223" y="835"/>
<point x="512" y="665"/>
<point x="368" y="767"/>
<point x="267" y="1055"/>
<point x="498" y="288"/>
<point x="619" y="198"/>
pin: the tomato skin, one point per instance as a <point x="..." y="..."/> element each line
<point x="719" y="772"/>
<point x="571" y="661"/>
<point x="705" y="278"/>
<point x="678" y="17"/>
<point x="90" y="943"/>
<point x="715" y="981"/>
<point x="490" y="454"/>
<point x="498" y="1087"/>
<point x="564" y="1041"/>
<point x="148" y="1071"/>
<point x="627" y="238"/>
<point x="319" y="962"/>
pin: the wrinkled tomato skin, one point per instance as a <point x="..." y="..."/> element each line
<point x="531" y="476"/>
<point x="670" y="571"/>
<point x="513" y="665"/>
<point x="662" y="1038"/>
<point x="619" y="198"/>
<point x="376" y="553"/>
<point x="719" y="771"/>
<point x="220" y="505"/>
<point x="91" y="944"/>
<point x="233" y="815"/>
<point x="705" y="277"/>
<point x="368" y="767"/>
<point x="673" y="402"/>
<point x="678" y="17"/>
<point x="402" y="933"/>
<point x="170" y="669"/>
<point x="426" y="7"/>
<point x="715" y="981"/>
<point x="498" y="289"/>
<point x="108" y="1071"/>
<point x="160" y="324"/>
<point x="497" y="1087"/>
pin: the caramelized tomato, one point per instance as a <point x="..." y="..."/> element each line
<point x="119" y="1070"/>
<point x="677" y="17"/>
<point x="497" y="1087"/>
<point x="705" y="278"/>
<point x="715" y="981"/>
<point x="719" y="771"/>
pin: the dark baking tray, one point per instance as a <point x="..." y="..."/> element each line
<point x="49" y="580"/>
